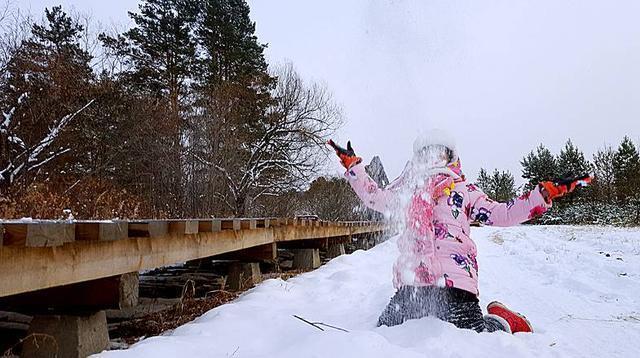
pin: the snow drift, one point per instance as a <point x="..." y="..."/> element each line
<point x="579" y="286"/>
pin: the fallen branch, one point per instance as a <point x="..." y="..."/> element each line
<point x="318" y="324"/>
<point x="618" y="319"/>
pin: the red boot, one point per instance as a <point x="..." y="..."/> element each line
<point x="517" y="322"/>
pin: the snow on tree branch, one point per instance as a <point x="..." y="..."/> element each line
<point x="23" y="159"/>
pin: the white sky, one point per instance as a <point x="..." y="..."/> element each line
<point x="501" y="76"/>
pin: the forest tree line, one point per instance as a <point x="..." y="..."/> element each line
<point x="178" y="116"/>
<point x="612" y="198"/>
<point x="182" y="116"/>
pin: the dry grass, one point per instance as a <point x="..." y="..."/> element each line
<point x="38" y="339"/>
<point x="185" y="311"/>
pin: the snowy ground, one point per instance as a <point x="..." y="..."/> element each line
<point x="579" y="286"/>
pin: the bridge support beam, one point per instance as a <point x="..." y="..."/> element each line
<point x="306" y="259"/>
<point x="243" y="275"/>
<point x="363" y="242"/>
<point x="116" y="292"/>
<point x="335" y="250"/>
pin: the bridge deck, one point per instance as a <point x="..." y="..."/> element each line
<point x="41" y="254"/>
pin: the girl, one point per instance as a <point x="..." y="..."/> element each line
<point x="436" y="273"/>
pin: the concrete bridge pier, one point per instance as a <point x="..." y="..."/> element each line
<point x="243" y="275"/>
<point x="70" y="321"/>
<point x="335" y="250"/>
<point x="306" y="259"/>
<point x="74" y="336"/>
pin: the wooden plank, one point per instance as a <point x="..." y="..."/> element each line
<point x="87" y="231"/>
<point x="116" y="292"/>
<point x="94" y="231"/>
<point x="231" y="224"/>
<point x="154" y="228"/>
<point x="248" y="224"/>
<point x="216" y="225"/>
<point x="205" y="226"/>
<point x="267" y="252"/>
<point x="158" y="228"/>
<point x="116" y="230"/>
<point x="38" y="234"/>
<point x="187" y="227"/>
<point x="262" y="223"/>
<point x="212" y="225"/>
<point x="24" y="269"/>
<point x="15" y="235"/>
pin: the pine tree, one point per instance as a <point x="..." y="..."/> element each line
<point x="227" y="34"/>
<point x="627" y="170"/>
<point x="504" y="187"/>
<point x="604" y="169"/>
<point x="234" y="91"/>
<point x="499" y="186"/>
<point x="484" y="181"/>
<point x="571" y="162"/>
<point x="539" y="166"/>
<point x="160" y="48"/>
<point x="160" y="60"/>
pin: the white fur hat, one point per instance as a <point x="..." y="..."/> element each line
<point x="435" y="136"/>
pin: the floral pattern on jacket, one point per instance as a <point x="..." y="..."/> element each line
<point x="435" y="246"/>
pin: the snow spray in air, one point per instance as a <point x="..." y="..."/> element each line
<point x="425" y="179"/>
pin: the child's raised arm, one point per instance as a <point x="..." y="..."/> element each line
<point x="366" y="188"/>
<point x="368" y="191"/>
<point x="515" y="211"/>
<point x="524" y="208"/>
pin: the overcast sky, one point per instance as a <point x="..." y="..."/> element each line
<point x="501" y="76"/>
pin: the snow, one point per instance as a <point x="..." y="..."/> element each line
<point x="579" y="286"/>
<point x="433" y="136"/>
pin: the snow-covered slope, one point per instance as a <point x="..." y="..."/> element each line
<point x="579" y="286"/>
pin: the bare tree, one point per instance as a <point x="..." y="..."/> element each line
<point x="289" y="150"/>
<point x="15" y="27"/>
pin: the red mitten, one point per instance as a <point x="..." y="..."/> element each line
<point x="551" y="190"/>
<point x="347" y="156"/>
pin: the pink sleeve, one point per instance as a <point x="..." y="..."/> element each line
<point x="516" y="211"/>
<point x="367" y="190"/>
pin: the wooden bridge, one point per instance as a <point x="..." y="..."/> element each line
<point x="57" y="266"/>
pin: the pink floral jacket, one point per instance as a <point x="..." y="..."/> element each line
<point x="435" y="247"/>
